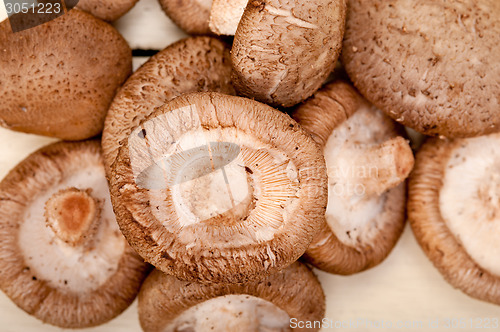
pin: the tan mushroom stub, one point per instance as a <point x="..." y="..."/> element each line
<point x="190" y="65"/>
<point x="367" y="162"/>
<point x="454" y="211"/>
<point x="217" y="188"/>
<point x="59" y="78"/>
<point x="167" y="304"/>
<point x="62" y="255"/>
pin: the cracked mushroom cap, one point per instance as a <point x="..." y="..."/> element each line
<point x="367" y="162"/>
<point x="454" y="211"/>
<point x="190" y="65"/>
<point x="284" y="50"/>
<point x="62" y="255"/>
<point x="107" y="10"/>
<point x="168" y="304"/>
<point x="191" y="16"/>
<point x="59" y="78"/>
<point x="217" y="188"/>
<point x="430" y="65"/>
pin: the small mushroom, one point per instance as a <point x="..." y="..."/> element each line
<point x="107" y="10"/>
<point x="191" y="16"/>
<point x="284" y="50"/>
<point x="217" y="188"/>
<point x="454" y="211"/>
<point x="168" y="304"/>
<point x="59" y="78"/>
<point x="430" y="65"/>
<point x="190" y="65"/>
<point x="367" y="162"/>
<point x="62" y="256"/>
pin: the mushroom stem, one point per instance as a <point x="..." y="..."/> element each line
<point x="73" y="215"/>
<point x="225" y="16"/>
<point x="381" y="167"/>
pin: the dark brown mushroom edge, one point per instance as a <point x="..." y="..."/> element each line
<point x="217" y="188"/>
<point x="167" y="304"/>
<point x="191" y="65"/>
<point x="454" y="211"/>
<point x="192" y="16"/>
<point x="62" y="256"/>
<point x="59" y="78"/>
<point x="107" y="10"/>
<point x="367" y="162"/>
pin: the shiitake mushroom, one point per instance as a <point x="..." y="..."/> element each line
<point x="168" y="304"/>
<point x="217" y="188"/>
<point x="62" y="256"/>
<point x="367" y="162"/>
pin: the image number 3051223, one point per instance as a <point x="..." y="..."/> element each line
<point x="26" y="14"/>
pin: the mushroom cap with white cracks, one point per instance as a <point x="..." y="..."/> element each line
<point x="284" y="50"/>
<point x="192" y="16"/>
<point x="430" y="65"/>
<point x="62" y="256"/>
<point x="107" y="10"/>
<point x="217" y="188"/>
<point x="168" y="304"/>
<point x="454" y="211"/>
<point x="367" y="162"/>
<point x="59" y="78"/>
<point x="190" y="65"/>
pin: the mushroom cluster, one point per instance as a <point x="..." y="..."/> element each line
<point x="201" y="177"/>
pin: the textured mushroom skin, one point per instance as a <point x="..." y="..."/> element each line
<point x="107" y="10"/>
<point x="284" y="50"/>
<point x="20" y="283"/>
<point x="191" y="16"/>
<point x="58" y="79"/>
<point x="190" y="65"/>
<point x="320" y="115"/>
<point x="295" y="290"/>
<point x="430" y="65"/>
<point x="233" y="264"/>
<point x="434" y="237"/>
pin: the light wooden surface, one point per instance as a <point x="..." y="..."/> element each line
<point x="405" y="291"/>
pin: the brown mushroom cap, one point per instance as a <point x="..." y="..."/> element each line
<point x="367" y="161"/>
<point x="62" y="256"/>
<point x="217" y="188"/>
<point x="430" y="65"/>
<point x="191" y="16"/>
<point x="58" y="79"/>
<point x="284" y="51"/>
<point x="454" y="212"/>
<point x="166" y="303"/>
<point x="190" y="65"/>
<point x="107" y="10"/>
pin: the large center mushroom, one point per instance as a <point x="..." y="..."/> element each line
<point x="219" y="188"/>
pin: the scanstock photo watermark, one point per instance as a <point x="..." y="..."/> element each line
<point x="362" y="324"/>
<point x="26" y="14"/>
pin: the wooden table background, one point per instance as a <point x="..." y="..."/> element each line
<point x="405" y="291"/>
